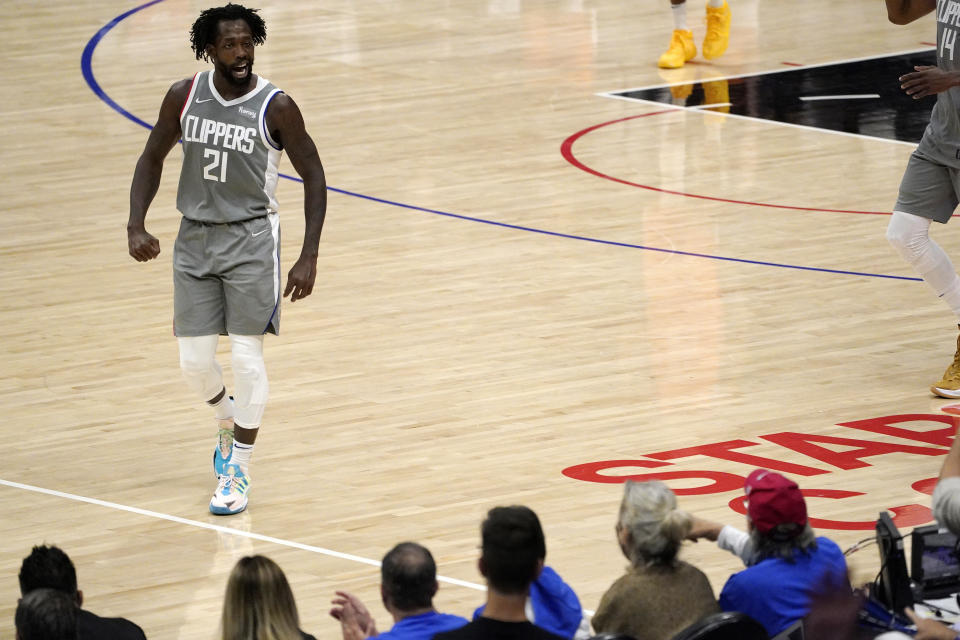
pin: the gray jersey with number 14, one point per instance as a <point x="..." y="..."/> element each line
<point x="229" y="171"/>
<point x="941" y="140"/>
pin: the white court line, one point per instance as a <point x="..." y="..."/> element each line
<point x="852" y="96"/>
<point x="715" y="105"/>
<point x="214" y="527"/>
<point x="236" y="532"/>
<point x="613" y="94"/>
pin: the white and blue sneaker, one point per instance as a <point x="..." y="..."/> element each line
<point x="231" y="494"/>
<point x="224" y="449"/>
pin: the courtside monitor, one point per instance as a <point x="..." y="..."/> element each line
<point x="893" y="589"/>
<point x="934" y="565"/>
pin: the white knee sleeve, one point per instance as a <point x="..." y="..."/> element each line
<point x="199" y="366"/>
<point x="250" y="380"/>
<point x="910" y="235"/>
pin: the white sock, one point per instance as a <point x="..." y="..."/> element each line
<point x="679" y="16"/>
<point x="223" y="410"/>
<point x="714" y="4"/>
<point x="241" y="456"/>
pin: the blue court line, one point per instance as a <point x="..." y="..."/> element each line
<point x="86" y="66"/>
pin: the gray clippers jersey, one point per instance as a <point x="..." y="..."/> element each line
<point x="941" y="140"/>
<point x="229" y="171"/>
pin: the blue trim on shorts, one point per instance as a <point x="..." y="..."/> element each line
<point x="276" y="306"/>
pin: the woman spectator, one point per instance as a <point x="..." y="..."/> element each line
<point x="659" y="595"/>
<point x="259" y="604"/>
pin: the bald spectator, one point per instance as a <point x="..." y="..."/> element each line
<point x="408" y="583"/>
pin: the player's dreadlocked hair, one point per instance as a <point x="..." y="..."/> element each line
<point x="204" y="30"/>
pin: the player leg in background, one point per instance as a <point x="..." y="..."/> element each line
<point x="250" y="400"/>
<point x="928" y="192"/>
<point x="718" y="29"/>
<point x="910" y="235"/>
<point x="204" y="377"/>
<point x="681" y="46"/>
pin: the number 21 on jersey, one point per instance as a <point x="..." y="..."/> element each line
<point x="218" y="160"/>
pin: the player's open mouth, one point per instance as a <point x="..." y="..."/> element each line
<point x="240" y="70"/>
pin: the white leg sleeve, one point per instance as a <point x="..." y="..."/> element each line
<point x="910" y="236"/>
<point x="249" y="379"/>
<point x="199" y="366"/>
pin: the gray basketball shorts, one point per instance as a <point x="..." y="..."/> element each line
<point x="928" y="189"/>
<point x="226" y="278"/>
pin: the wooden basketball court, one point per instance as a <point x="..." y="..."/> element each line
<point x="492" y="324"/>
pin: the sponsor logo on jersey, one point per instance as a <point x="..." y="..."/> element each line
<point x="250" y="113"/>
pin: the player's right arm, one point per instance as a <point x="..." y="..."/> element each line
<point x="906" y="11"/>
<point x="146" y="177"/>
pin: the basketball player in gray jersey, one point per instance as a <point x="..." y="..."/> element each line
<point x="226" y="259"/>
<point x="930" y="189"/>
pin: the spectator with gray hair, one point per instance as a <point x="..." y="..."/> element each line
<point x="946" y="510"/>
<point x="660" y="595"/>
<point x="946" y="495"/>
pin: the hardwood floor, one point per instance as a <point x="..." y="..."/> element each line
<point x="488" y="318"/>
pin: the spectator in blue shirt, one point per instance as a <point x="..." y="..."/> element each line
<point x="408" y="582"/>
<point x="553" y="605"/>
<point x="786" y="563"/>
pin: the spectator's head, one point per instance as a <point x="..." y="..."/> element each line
<point x="777" y="514"/>
<point x="258" y="602"/>
<point x="650" y="528"/>
<point x="513" y="549"/>
<point x="49" y="567"/>
<point x="408" y="578"/>
<point x="46" y="614"/>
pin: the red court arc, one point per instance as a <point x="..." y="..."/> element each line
<point x="566" y="149"/>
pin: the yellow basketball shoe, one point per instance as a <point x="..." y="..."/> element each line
<point x="949" y="384"/>
<point x="718" y="31"/>
<point x="681" y="49"/>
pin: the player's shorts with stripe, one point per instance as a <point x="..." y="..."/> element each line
<point x="929" y="189"/>
<point x="226" y="277"/>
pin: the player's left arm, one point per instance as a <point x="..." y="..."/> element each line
<point x="285" y="123"/>
<point x="925" y="81"/>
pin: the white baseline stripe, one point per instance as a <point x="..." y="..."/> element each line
<point x="852" y="96"/>
<point x="214" y="527"/>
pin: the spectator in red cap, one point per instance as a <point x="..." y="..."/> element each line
<point x="786" y="563"/>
